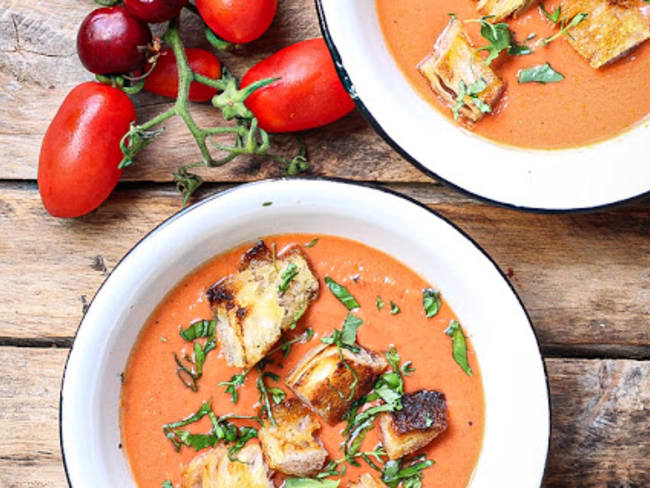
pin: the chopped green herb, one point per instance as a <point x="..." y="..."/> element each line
<point x="312" y="243"/>
<point x="454" y="16"/>
<point x="310" y="483"/>
<point x="498" y="36"/>
<point x="542" y="73"/>
<point x="519" y="49"/>
<point x="264" y="393"/>
<point x="531" y="36"/>
<point x="296" y="318"/>
<point x="267" y="204"/>
<point x="394" y="309"/>
<point x="163" y="339"/>
<point x="472" y="92"/>
<point x="431" y="302"/>
<point x="409" y="476"/>
<point x="429" y="421"/>
<point x="342" y="294"/>
<point x="459" y="346"/>
<point x="566" y="27"/>
<point x="350" y="326"/>
<point x="233" y="385"/>
<point x="243" y="436"/>
<point x="551" y="16"/>
<point x="380" y="303"/>
<point x="167" y="484"/>
<point x="198" y="330"/>
<point x="290" y="272"/>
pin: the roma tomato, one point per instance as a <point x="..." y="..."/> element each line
<point x="163" y="80"/>
<point x="80" y="154"/>
<point x="155" y="11"/>
<point x="111" y="40"/>
<point x="309" y="93"/>
<point x="238" y="21"/>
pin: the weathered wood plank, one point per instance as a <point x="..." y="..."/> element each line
<point x="585" y="279"/>
<point x="38" y="66"/>
<point x="599" y="413"/>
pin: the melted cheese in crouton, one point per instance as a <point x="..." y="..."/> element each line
<point x="611" y="29"/>
<point x="255" y="305"/>
<point x="455" y="61"/>
<point x="423" y="418"/>
<point x="366" y="481"/>
<point x="325" y="383"/>
<point x="214" y="470"/>
<point x="290" y="446"/>
<point x="500" y="9"/>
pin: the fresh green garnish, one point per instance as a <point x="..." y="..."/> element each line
<point x="265" y="400"/>
<point x="346" y="339"/>
<point x="542" y="73"/>
<point x="459" y="346"/>
<point x="167" y="484"/>
<point x="380" y="303"/>
<point x="429" y="421"/>
<point x="409" y="476"/>
<point x="519" y="49"/>
<point x="289" y="273"/>
<point x="267" y="204"/>
<point x="431" y="302"/>
<point x="472" y="92"/>
<point x="551" y="16"/>
<point x="342" y="294"/>
<point x="394" y="309"/>
<point x="310" y="483"/>
<point x="163" y="339"/>
<point x="498" y="36"/>
<point x="350" y="327"/>
<point x="233" y="385"/>
<point x="198" y="330"/>
<point x="312" y="243"/>
<point x="566" y="27"/>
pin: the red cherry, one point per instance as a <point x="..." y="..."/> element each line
<point x="111" y="40"/>
<point x="155" y="11"/>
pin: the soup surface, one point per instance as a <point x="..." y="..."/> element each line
<point x="153" y="395"/>
<point x="590" y="105"/>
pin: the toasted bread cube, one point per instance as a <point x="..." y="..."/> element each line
<point x="325" y="383"/>
<point x="214" y="470"/>
<point x="612" y="28"/>
<point x="250" y="308"/>
<point x="455" y="60"/>
<point x="366" y="481"/>
<point x="290" y="446"/>
<point x="500" y="9"/>
<point x="423" y="417"/>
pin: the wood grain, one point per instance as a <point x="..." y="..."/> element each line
<point x="595" y="404"/>
<point x="585" y="279"/>
<point x="38" y="66"/>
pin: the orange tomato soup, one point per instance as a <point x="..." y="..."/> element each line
<point x="588" y="106"/>
<point x="152" y="394"/>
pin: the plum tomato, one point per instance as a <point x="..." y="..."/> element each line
<point x="80" y="154"/>
<point x="155" y="11"/>
<point x="238" y="21"/>
<point x="308" y="94"/>
<point x="163" y="80"/>
<point x="112" y="41"/>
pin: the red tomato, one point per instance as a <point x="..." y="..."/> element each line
<point x="238" y="21"/>
<point x="163" y="80"/>
<point x="77" y="169"/>
<point x="309" y="93"/>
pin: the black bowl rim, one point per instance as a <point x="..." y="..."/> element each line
<point x="372" y="186"/>
<point x="367" y="114"/>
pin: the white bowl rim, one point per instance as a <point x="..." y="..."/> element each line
<point x="335" y="180"/>
<point x="367" y="114"/>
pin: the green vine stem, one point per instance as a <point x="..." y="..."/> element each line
<point x="248" y="137"/>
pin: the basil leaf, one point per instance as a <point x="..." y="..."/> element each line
<point x="350" y="326"/>
<point x="394" y="309"/>
<point x="277" y="394"/>
<point x="499" y="37"/>
<point x="312" y="243"/>
<point x="233" y="385"/>
<point x="380" y="302"/>
<point x="411" y="476"/>
<point x="342" y="294"/>
<point x="575" y="21"/>
<point x="199" y="329"/>
<point x="431" y="302"/>
<point x="542" y="73"/>
<point x="167" y="484"/>
<point x="310" y="483"/>
<point x="519" y="50"/>
<point x="554" y="16"/>
<point x="290" y="272"/>
<point x="459" y="346"/>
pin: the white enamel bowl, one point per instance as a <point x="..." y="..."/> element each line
<point x="517" y="416"/>
<point x="578" y="179"/>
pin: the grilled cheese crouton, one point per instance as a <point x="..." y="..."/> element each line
<point x="290" y="446"/>
<point x="264" y="298"/>
<point x="324" y="382"/>
<point x="214" y="470"/>
<point x="366" y="481"/>
<point x="423" y="417"/>
<point x="611" y="29"/>
<point x="500" y="9"/>
<point x="455" y="61"/>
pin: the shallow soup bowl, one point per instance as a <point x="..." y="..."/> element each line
<point x="516" y="396"/>
<point x="563" y="180"/>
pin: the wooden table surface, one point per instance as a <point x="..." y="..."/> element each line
<point x="585" y="279"/>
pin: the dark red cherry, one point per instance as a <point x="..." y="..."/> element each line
<point x="111" y="40"/>
<point x="154" y="11"/>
